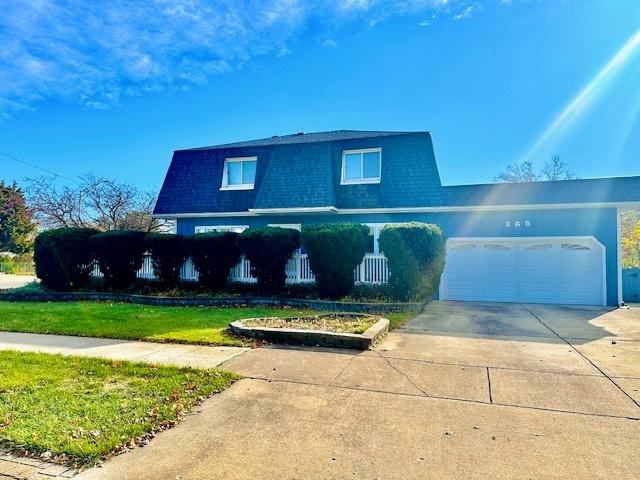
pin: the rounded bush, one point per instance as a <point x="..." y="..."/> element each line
<point x="119" y="256"/>
<point x="213" y="254"/>
<point x="268" y="249"/>
<point x="168" y="254"/>
<point x="63" y="258"/>
<point x="415" y="253"/>
<point x="335" y="250"/>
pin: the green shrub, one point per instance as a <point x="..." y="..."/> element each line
<point x="335" y="250"/>
<point x="268" y="249"/>
<point x="17" y="264"/>
<point x="213" y="254"/>
<point x="119" y="256"/>
<point x="415" y="252"/>
<point x="63" y="258"/>
<point x="168" y="254"/>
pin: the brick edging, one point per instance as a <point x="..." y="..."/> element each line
<point x="328" y="305"/>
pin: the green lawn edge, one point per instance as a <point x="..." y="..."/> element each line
<point x="162" y="324"/>
<point x="79" y="410"/>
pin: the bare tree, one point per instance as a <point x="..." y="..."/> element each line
<point x="553" y="170"/>
<point x="95" y="202"/>
<point x="556" y="169"/>
<point x="517" y="173"/>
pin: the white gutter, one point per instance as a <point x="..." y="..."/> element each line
<point x="355" y="211"/>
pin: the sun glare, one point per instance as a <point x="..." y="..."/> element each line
<point x="597" y="88"/>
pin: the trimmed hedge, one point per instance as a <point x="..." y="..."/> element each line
<point x="213" y="254"/>
<point x="119" y="256"/>
<point x="268" y="249"/>
<point x="415" y="252"/>
<point x="168" y="253"/>
<point x="335" y="250"/>
<point x="63" y="258"/>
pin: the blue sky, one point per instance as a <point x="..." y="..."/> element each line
<point x="114" y="87"/>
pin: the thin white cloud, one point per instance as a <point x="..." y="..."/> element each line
<point x="467" y="11"/>
<point x="329" y="43"/>
<point x="100" y="53"/>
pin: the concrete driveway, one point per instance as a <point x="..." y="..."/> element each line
<point x="463" y="391"/>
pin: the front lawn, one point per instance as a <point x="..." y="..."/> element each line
<point x="83" y="409"/>
<point x="202" y="325"/>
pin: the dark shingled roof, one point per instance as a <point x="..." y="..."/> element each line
<point x="304" y="171"/>
<point x="593" y="190"/>
<point x="302" y="137"/>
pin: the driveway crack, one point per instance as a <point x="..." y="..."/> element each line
<point x="637" y="404"/>
<point x="489" y="382"/>
<point x="402" y="373"/>
<point x="332" y="382"/>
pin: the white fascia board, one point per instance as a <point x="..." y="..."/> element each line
<point x="488" y="208"/>
<point x="354" y="211"/>
<point x="172" y="216"/>
<point x="281" y="211"/>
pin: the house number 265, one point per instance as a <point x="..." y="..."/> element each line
<point x="517" y="223"/>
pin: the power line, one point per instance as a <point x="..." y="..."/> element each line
<point x="37" y="167"/>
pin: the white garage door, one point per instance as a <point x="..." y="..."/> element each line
<point x="528" y="270"/>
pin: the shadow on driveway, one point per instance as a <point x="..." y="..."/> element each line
<point x="509" y="321"/>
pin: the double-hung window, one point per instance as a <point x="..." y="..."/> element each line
<point x="239" y="173"/>
<point x="361" y="166"/>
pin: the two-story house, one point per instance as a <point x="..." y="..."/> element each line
<point x="540" y="242"/>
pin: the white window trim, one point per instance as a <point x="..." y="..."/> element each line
<point x="345" y="181"/>
<point x="375" y="229"/>
<point x="240" y="186"/>
<point x="218" y="228"/>
<point x="292" y="226"/>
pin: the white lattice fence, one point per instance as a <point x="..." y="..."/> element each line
<point x="373" y="270"/>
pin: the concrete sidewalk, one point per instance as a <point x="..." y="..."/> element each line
<point x="197" y="356"/>
<point x="15" y="281"/>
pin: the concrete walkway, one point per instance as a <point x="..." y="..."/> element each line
<point x="463" y="391"/>
<point x="197" y="356"/>
<point x="15" y="281"/>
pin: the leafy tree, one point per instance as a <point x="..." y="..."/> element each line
<point x="552" y="171"/>
<point x="630" y="224"/>
<point x="17" y="228"/>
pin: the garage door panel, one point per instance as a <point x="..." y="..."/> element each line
<point x="564" y="270"/>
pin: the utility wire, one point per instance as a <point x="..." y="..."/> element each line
<point x="37" y="167"/>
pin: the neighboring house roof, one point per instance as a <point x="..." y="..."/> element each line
<point x="303" y="171"/>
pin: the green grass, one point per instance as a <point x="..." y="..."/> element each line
<point x="202" y="325"/>
<point x="84" y="409"/>
<point x="396" y="320"/>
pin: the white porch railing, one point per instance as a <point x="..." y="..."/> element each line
<point x="373" y="270"/>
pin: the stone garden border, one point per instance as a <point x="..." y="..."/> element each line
<point x="360" y="307"/>
<point x="320" y="338"/>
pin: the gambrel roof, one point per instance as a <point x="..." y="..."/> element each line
<point x="303" y="172"/>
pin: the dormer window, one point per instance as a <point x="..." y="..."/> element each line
<point x="239" y="173"/>
<point x="361" y="166"/>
